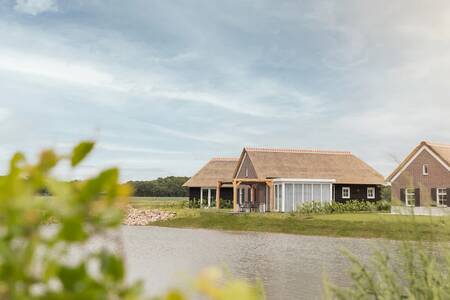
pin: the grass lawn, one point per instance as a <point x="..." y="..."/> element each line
<point x="362" y="225"/>
<point x="167" y="203"/>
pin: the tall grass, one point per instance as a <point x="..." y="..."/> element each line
<point x="409" y="269"/>
<point x="412" y="270"/>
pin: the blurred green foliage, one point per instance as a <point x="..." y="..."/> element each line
<point x="36" y="259"/>
<point x="411" y="270"/>
<point x="34" y="256"/>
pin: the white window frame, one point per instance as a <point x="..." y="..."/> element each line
<point x="441" y="192"/>
<point x="208" y="197"/>
<point x="346" y="188"/>
<point x="372" y="190"/>
<point x="410" y="192"/>
<point x="425" y="170"/>
<point x="279" y="191"/>
<point x="246" y="172"/>
<point x="241" y="196"/>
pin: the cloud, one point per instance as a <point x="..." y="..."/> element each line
<point x="367" y="77"/>
<point x="4" y="114"/>
<point x="56" y="69"/>
<point x="35" y="7"/>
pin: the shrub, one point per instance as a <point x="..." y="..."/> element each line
<point x="34" y="258"/>
<point x="81" y="210"/>
<point x="314" y="207"/>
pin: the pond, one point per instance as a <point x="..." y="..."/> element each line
<point x="290" y="266"/>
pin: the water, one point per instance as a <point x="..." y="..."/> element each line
<point x="290" y="266"/>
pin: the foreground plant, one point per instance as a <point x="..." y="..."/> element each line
<point x="36" y="260"/>
<point x="411" y="270"/>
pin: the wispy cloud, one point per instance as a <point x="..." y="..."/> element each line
<point x="35" y="7"/>
<point x="56" y="69"/>
<point x="145" y="77"/>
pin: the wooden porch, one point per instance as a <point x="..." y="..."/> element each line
<point x="253" y="183"/>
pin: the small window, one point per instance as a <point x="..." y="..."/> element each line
<point x="345" y="193"/>
<point x="441" y="197"/>
<point x="370" y="193"/>
<point x="425" y="170"/>
<point x="410" y="197"/>
<point x="246" y="172"/>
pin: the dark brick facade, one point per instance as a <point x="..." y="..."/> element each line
<point x="357" y="192"/>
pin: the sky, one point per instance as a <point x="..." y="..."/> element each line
<point x="163" y="86"/>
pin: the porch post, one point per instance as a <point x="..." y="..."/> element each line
<point x="235" y="190"/>
<point x="219" y="184"/>
<point x="201" y="197"/>
<point x="209" y="198"/>
<point x="270" y="185"/>
<point x="252" y="195"/>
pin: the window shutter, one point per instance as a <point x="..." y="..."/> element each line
<point x="433" y="197"/>
<point x="417" y="196"/>
<point x="402" y="196"/>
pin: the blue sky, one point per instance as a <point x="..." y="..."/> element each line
<point x="162" y="86"/>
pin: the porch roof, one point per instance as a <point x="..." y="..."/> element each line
<point x="217" y="169"/>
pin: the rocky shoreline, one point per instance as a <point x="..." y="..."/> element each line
<point x="142" y="217"/>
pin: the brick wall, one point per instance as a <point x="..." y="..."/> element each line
<point x="412" y="177"/>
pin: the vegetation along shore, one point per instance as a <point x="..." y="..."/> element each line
<point x="350" y="224"/>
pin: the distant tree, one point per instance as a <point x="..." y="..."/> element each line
<point x="171" y="186"/>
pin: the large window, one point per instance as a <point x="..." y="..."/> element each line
<point x="275" y="190"/>
<point x="278" y="197"/>
<point x="370" y="193"/>
<point x="298" y="195"/>
<point x="346" y="192"/>
<point x="289" y="195"/>
<point x="207" y="197"/>
<point x="410" y="197"/>
<point x="317" y="193"/>
<point x="441" y="197"/>
<point x="308" y="193"/>
<point x="326" y="193"/>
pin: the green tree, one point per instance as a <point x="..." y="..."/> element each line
<point x="171" y="186"/>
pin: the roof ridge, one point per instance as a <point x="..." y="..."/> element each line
<point x="224" y="159"/>
<point x="296" y="150"/>
<point x="436" y="144"/>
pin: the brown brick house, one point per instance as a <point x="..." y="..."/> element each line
<point x="281" y="179"/>
<point x="423" y="177"/>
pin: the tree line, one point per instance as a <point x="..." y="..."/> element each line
<point x="171" y="186"/>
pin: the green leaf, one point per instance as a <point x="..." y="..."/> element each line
<point x="81" y="151"/>
<point x="112" y="266"/>
<point x="72" y="230"/>
<point x="48" y="160"/>
<point x="71" y="276"/>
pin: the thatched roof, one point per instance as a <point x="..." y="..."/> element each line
<point x="442" y="151"/>
<point x="344" y="167"/>
<point x="217" y="169"/>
